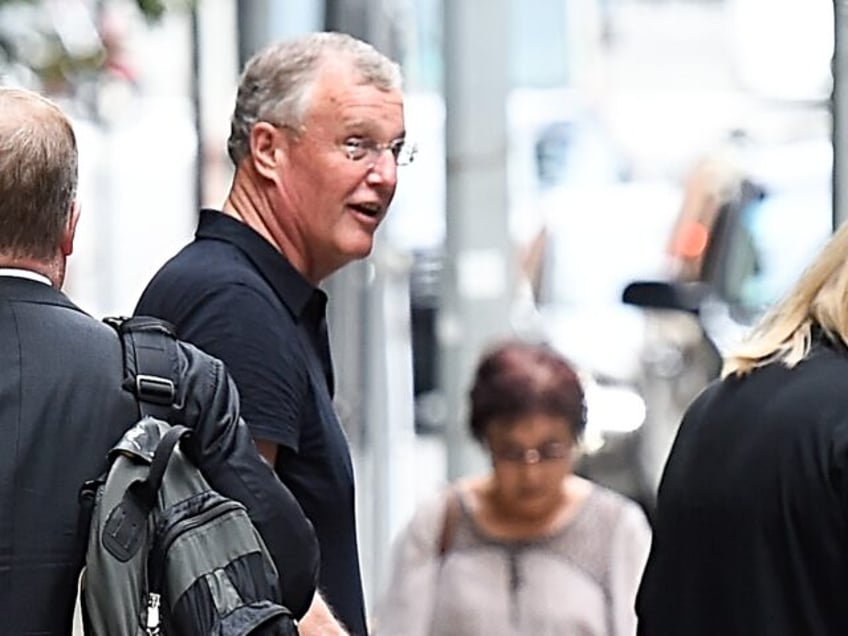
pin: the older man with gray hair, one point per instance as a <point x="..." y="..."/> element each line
<point x="317" y="137"/>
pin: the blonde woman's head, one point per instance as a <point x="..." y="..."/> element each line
<point x="818" y="298"/>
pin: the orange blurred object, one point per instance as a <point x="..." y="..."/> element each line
<point x="691" y="240"/>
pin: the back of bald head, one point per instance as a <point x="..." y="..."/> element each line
<point x="38" y="175"/>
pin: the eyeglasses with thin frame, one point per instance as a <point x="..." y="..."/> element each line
<point x="367" y="150"/>
<point x="548" y="452"/>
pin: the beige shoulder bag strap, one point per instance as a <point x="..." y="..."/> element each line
<point x="450" y="521"/>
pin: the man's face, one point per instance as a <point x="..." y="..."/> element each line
<point x="337" y="202"/>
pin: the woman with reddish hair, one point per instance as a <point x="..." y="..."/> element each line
<point x="530" y="547"/>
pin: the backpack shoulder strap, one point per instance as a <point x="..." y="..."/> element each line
<point x="150" y="363"/>
<point x="147" y="489"/>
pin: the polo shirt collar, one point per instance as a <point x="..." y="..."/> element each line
<point x="291" y="287"/>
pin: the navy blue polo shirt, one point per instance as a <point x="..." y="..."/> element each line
<point x="232" y="294"/>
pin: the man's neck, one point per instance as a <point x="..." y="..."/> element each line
<point x="248" y="203"/>
<point x="14" y="272"/>
<point x="31" y="269"/>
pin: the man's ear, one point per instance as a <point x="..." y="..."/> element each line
<point x="70" y="230"/>
<point x="265" y="153"/>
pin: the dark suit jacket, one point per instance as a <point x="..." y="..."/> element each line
<point x="61" y="409"/>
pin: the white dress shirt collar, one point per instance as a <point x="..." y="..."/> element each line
<point x="15" y="272"/>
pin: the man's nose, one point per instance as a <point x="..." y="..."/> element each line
<point x="384" y="170"/>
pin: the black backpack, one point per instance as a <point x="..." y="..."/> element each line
<point x="166" y="553"/>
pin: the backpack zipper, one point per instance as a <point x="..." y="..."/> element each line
<point x="219" y="508"/>
<point x="153" y="601"/>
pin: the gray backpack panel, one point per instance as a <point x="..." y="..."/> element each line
<point x="173" y="557"/>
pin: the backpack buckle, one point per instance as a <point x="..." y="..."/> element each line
<point x="155" y="389"/>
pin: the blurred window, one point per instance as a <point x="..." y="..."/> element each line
<point x="539" y="43"/>
<point x="601" y="237"/>
<point x="778" y="237"/>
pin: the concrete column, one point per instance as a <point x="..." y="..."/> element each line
<point x="479" y="273"/>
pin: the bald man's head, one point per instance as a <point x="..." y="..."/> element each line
<point x="38" y="176"/>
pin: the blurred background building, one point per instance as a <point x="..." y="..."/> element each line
<point x="567" y="149"/>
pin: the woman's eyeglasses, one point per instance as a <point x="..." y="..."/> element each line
<point x="551" y="451"/>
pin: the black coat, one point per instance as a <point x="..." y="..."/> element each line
<point x="61" y="408"/>
<point x="751" y="527"/>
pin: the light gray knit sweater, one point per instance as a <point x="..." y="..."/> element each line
<point x="578" y="581"/>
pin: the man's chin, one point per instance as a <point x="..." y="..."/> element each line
<point x="360" y="248"/>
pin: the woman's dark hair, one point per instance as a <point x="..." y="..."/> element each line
<point x="516" y="379"/>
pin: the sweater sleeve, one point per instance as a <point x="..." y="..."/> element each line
<point x="629" y="553"/>
<point x="406" y="607"/>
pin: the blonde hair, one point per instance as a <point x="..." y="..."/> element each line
<point x="819" y="298"/>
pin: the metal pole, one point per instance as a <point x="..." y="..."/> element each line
<point x="839" y="111"/>
<point x="478" y="275"/>
<point x="348" y="16"/>
<point x="197" y="106"/>
<point x="253" y="28"/>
